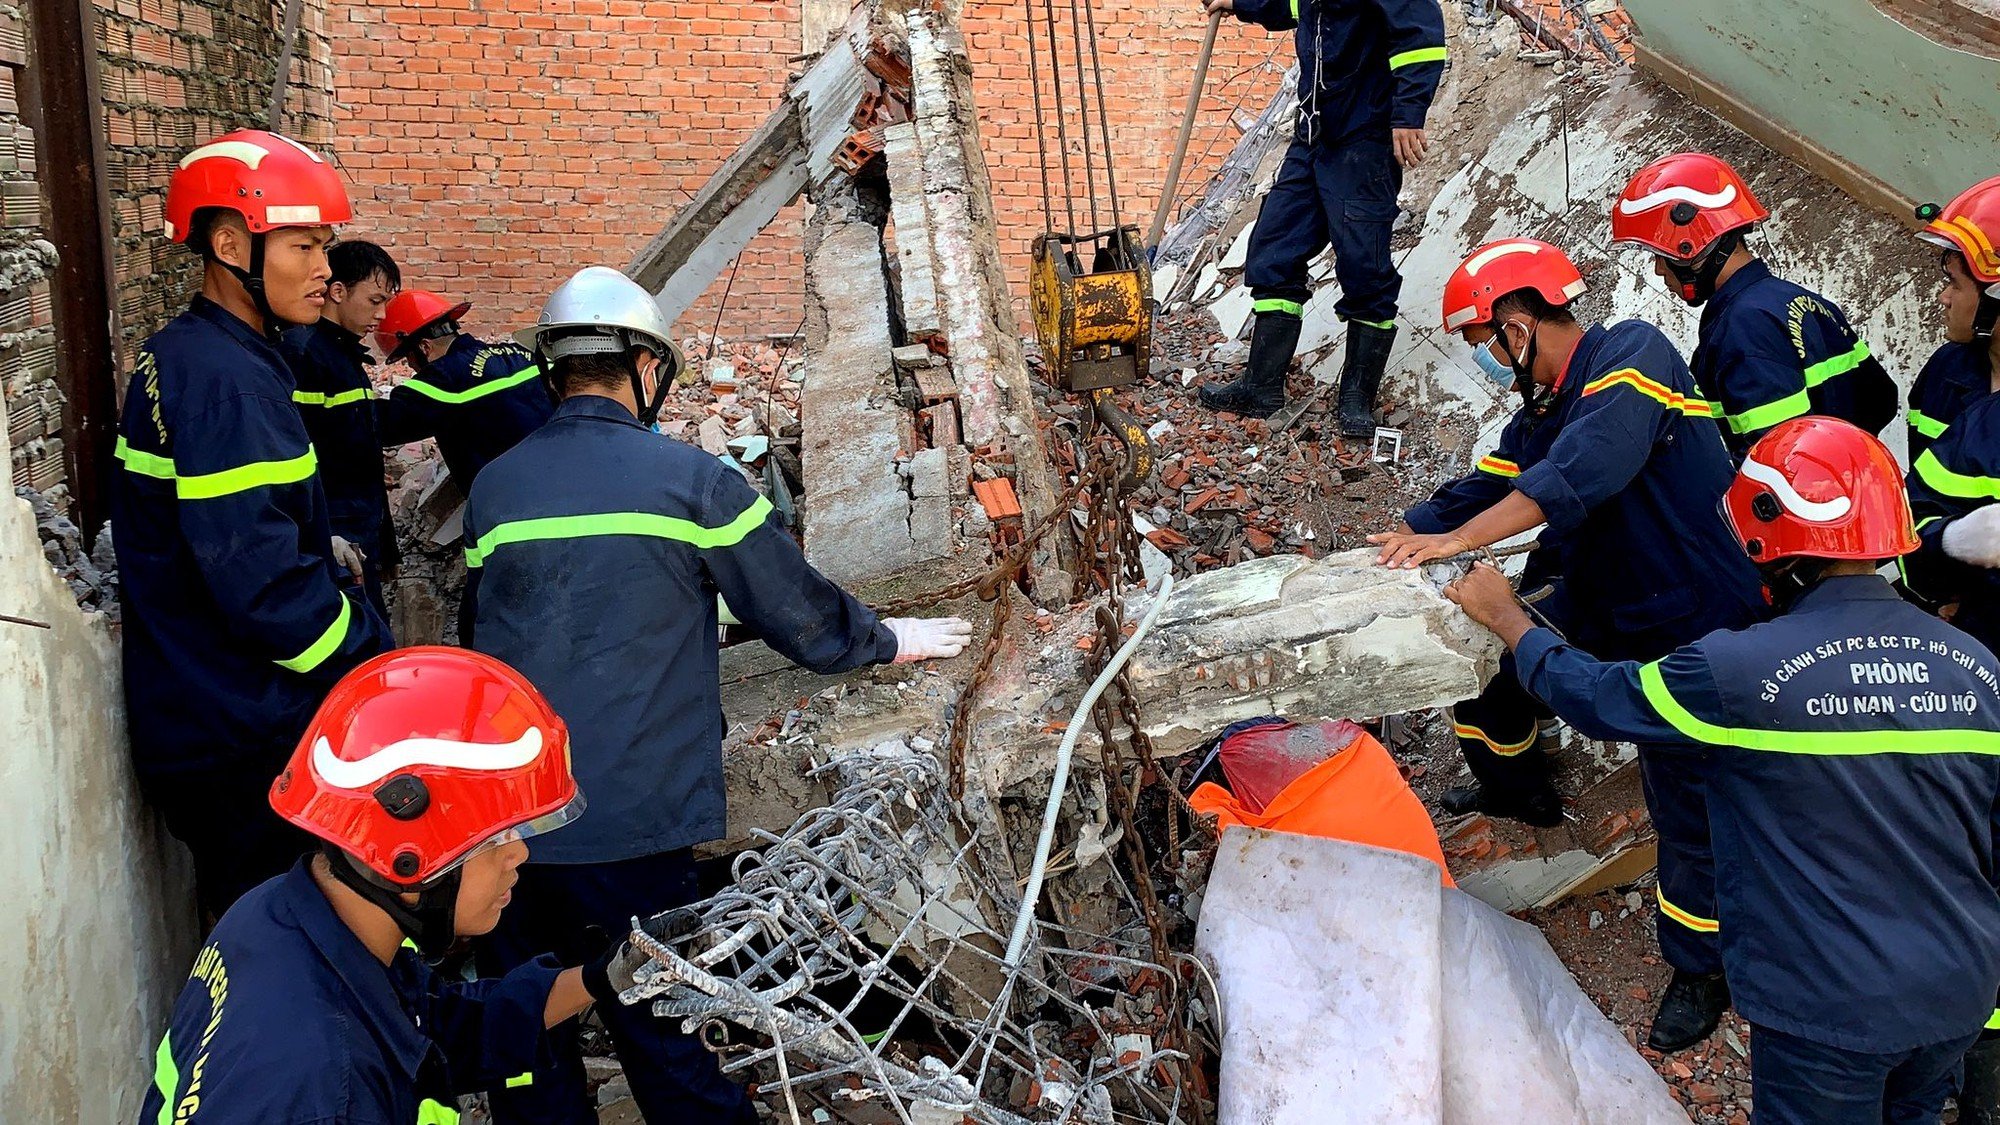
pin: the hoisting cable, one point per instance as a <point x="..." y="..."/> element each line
<point x="1062" y="129"/>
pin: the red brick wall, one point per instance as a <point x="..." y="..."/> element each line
<point x="495" y="148"/>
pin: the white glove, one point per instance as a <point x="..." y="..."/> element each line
<point x="1975" y="537"/>
<point x="348" y="556"/>
<point x="928" y="638"/>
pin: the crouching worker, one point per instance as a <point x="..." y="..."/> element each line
<point x="1855" y="750"/>
<point x="422" y="775"/>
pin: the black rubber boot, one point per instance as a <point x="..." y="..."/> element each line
<point x="1260" y="393"/>
<point x="1979" y="1094"/>
<point x="1542" y="808"/>
<point x="1690" y="1009"/>
<point x="1367" y="357"/>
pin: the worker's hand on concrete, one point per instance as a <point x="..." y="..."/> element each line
<point x="1404" y="550"/>
<point x="929" y="638"/>
<point x="1975" y="537"/>
<point x="1214" y="6"/>
<point x="1411" y="145"/>
<point x="1488" y="598"/>
<point x="348" y="557"/>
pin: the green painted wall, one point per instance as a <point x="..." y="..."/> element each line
<point x="1920" y="117"/>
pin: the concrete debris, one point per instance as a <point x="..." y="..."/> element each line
<point x="92" y="576"/>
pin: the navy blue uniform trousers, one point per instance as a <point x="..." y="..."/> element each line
<point x="1800" y="1082"/>
<point x="1345" y="196"/>
<point x="572" y="910"/>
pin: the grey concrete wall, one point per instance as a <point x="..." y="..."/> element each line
<point x="98" y="926"/>
<point x="1910" y="113"/>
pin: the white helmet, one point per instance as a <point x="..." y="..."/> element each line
<point x="600" y="311"/>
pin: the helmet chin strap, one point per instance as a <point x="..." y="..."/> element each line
<point x="252" y="280"/>
<point x="1787" y="579"/>
<point x="1698" y="281"/>
<point x="431" y="923"/>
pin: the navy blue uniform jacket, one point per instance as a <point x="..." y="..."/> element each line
<point x="1854" y="799"/>
<point x="1365" y="66"/>
<point x="337" y="403"/>
<point x="1956" y="474"/>
<point x="601" y="548"/>
<point x="1955" y="375"/>
<point x="234" y="624"/>
<point x="1629" y="480"/>
<point x="477" y="401"/>
<point x="1771" y="350"/>
<point x="287" y="1017"/>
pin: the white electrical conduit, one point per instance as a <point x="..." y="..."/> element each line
<point x="1059" y="784"/>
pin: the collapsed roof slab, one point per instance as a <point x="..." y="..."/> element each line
<point x="794" y="148"/>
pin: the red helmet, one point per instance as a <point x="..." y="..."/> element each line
<point x="1821" y="488"/>
<point x="271" y="181"/>
<point x="1499" y="268"/>
<point x="1678" y="205"/>
<point x="413" y="316"/>
<point x="1969" y="224"/>
<point x="423" y="756"/>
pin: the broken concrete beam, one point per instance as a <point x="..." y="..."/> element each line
<point x="857" y="521"/>
<point x="794" y="147"/>
<point x="908" y="211"/>
<point x="1337" y="637"/>
<point x="983" y="343"/>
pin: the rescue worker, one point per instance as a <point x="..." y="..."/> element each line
<point x="1768" y="349"/>
<point x="1855" y="750"/>
<point x="602" y="548"/>
<point x="1627" y="483"/>
<point x="1953" y="483"/>
<point x="329" y="359"/>
<point x="1367" y="73"/>
<point x="1955" y="479"/>
<point x="477" y="399"/>
<point x="235" y="624"/>
<point x="1499" y="729"/>
<point x="420" y="777"/>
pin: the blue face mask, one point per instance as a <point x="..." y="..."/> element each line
<point x="1495" y="368"/>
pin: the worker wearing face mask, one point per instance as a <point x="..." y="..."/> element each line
<point x="1626" y="470"/>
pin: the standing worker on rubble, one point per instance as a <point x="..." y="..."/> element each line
<point x="418" y="779"/>
<point x="1855" y="743"/>
<point x="602" y="548"/>
<point x="1768" y="349"/>
<point x="1625" y="467"/>
<point x="329" y="359"/>
<point x="1954" y="481"/>
<point x="1367" y="73"/>
<point x="235" y="624"/>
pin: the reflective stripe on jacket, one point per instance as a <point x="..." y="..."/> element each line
<point x="1771" y="350"/>
<point x="1855" y="748"/>
<point x="1629" y="483"/>
<point x="1365" y="66"/>
<point x="234" y="624"/>
<point x="477" y="400"/>
<point x="601" y="547"/>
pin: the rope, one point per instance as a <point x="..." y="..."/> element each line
<point x="1041" y="126"/>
